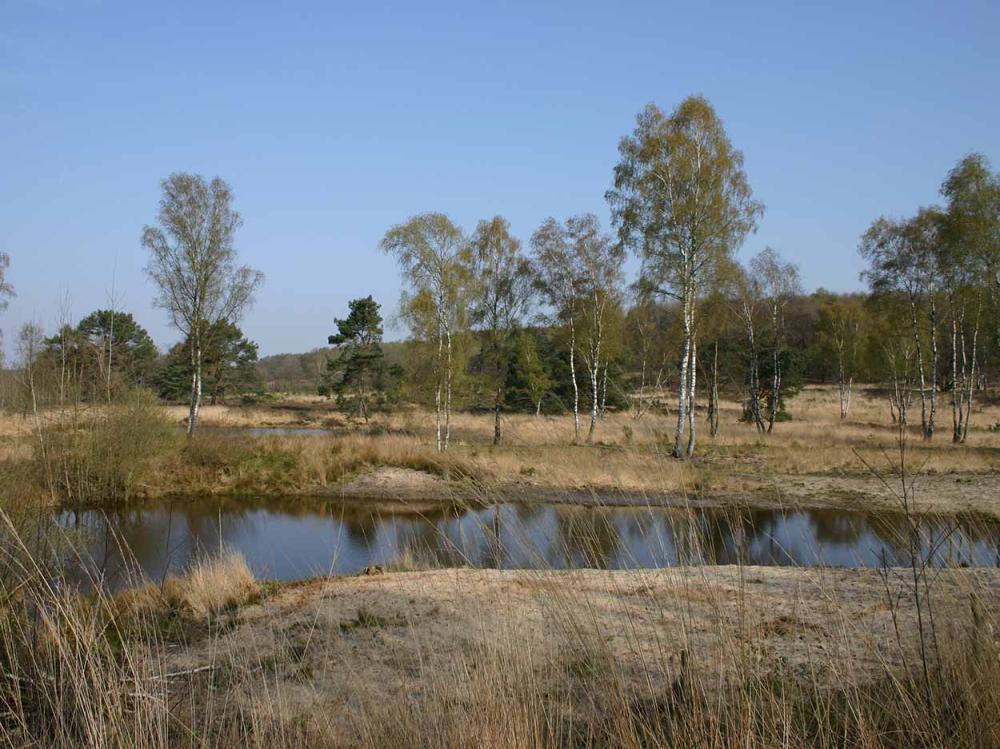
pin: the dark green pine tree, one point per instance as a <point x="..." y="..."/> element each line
<point x="357" y="375"/>
<point x="229" y="365"/>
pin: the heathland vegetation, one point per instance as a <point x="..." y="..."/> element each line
<point x="533" y="371"/>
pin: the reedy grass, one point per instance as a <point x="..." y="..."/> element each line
<point x="688" y="659"/>
<point x="97" y="454"/>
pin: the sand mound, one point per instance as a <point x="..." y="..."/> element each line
<point x="391" y="482"/>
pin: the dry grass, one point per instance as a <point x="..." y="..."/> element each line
<point x="212" y="586"/>
<point x="690" y="656"/>
<point x="706" y="657"/>
<point x="629" y="456"/>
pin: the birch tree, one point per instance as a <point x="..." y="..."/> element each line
<point x="579" y="272"/>
<point x="644" y="324"/>
<point x="599" y="263"/>
<point x="194" y="264"/>
<point x="972" y="239"/>
<point x="748" y="300"/>
<point x="502" y="287"/>
<point x="902" y="257"/>
<point x="433" y="255"/>
<point x="557" y="277"/>
<point x="779" y="282"/>
<point x="682" y="202"/>
<point x="839" y="333"/>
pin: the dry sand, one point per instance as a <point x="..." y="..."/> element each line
<point x="380" y="638"/>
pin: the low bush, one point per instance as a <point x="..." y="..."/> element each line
<point x="85" y="459"/>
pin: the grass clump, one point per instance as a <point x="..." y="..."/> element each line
<point x="212" y="586"/>
<point x="364" y="619"/>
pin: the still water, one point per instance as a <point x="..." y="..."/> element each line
<point x="298" y="538"/>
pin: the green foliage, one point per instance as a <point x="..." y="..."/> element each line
<point x="228" y="365"/>
<point x="528" y="381"/>
<point x="357" y="375"/>
<point x="104" y="342"/>
<point x="501" y="289"/>
<point x="681" y="198"/>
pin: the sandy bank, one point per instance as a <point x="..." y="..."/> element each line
<point x="384" y="639"/>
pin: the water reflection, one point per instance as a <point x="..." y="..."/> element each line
<point x="298" y="539"/>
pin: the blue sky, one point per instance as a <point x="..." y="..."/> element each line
<point x="333" y="121"/>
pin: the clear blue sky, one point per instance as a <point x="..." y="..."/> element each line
<point x="333" y="121"/>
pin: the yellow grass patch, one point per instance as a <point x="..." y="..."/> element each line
<point x="212" y="585"/>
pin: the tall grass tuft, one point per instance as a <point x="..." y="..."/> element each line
<point x="212" y="585"/>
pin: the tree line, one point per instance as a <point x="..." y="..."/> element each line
<point x="683" y="205"/>
<point x="109" y="353"/>
<point x="551" y="324"/>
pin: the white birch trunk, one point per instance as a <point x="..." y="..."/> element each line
<point x="692" y="395"/>
<point x="682" y="380"/>
<point x="447" y="398"/>
<point x="437" y="393"/>
<point x="576" y="388"/>
<point x="195" y="386"/>
<point x="934" y="372"/>
<point x="594" y="375"/>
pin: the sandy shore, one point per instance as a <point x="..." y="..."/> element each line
<point x="384" y="639"/>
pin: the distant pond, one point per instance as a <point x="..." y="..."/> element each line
<point x="291" y="539"/>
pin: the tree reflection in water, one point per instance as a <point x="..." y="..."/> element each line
<point x="298" y="538"/>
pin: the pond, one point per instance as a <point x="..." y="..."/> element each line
<point x="294" y="539"/>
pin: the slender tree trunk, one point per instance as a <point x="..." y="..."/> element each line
<point x="925" y="429"/>
<point x="62" y="369"/>
<point x="755" y="403"/>
<point x="754" y="385"/>
<point x="713" y="402"/>
<point x="594" y="371"/>
<point x="971" y="384"/>
<point x="496" y="417"/>
<point x="642" y="383"/>
<point x="934" y="370"/>
<point x="594" y="365"/>
<point x="604" y="390"/>
<point x="844" y="386"/>
<point x="683" y="380"/>
<point x="438" y="404"/>
<point x="111" y="339"/>
<point x="692" y="395"/>
<point x="956" y="407"/>
<point x="775" y="374"/>
<point x="572" y="374"/>
<point x="538" y="408"/>
<point x="960" y="386"/>
<point x="195" y="384"/>
<point x="447" y="400"/>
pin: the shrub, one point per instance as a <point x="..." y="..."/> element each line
<point x="103" y="459"/>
